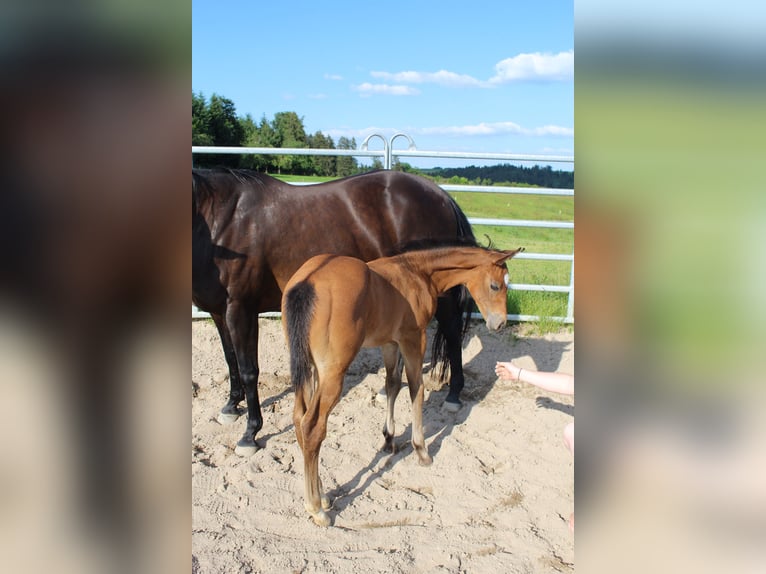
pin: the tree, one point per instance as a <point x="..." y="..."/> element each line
<point x="215" y="123"/>
<point x="323" y="164"/>
<point x="224" y="124"/>
<point x="346" y="165"/>
<point x="257" y="135"/>
<point x="200" y="121"/>
<point x="290" y="133"/>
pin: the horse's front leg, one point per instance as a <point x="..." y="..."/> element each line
<point x="413" y="353"/>
<point x="243" y="329"/>
<point x="450" y="324"/>
<point x="231" y="411"/>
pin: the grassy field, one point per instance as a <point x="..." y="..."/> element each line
<point x="535" y="240"/>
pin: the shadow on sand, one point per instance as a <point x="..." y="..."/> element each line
<point x="437" y="422"/>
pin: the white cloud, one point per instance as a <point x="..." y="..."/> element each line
<point x="494" y="128"/>
<point x="335" y="77"/>
<point x="368" y="89"/>
<point x="442" y="78"/>
<point x="480" y="129"/>
<point x="362" y="133"/>
<point x="536" y="66"/>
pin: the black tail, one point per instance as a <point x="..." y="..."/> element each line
<point x="459" y="302"/>
<point x="299" y="310"/>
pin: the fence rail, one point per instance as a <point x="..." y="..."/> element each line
<point x="388" y="153"/>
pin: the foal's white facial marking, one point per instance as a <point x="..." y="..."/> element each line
<point x="507" y="280"/>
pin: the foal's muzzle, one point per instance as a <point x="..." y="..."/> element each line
<point x="495" y="321"/>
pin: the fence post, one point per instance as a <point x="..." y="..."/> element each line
<point x="390" y="154"/>
<point x="386" y="150"/>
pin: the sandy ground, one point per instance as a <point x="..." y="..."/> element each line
<point x="496" y="498"/>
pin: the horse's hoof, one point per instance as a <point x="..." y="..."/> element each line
<point x="227" y="418"/>
<point x="451" y="407"/>
<point x="381" y="397"/>
<point x="425" y="460"/>
<point x="246" y="448"/>
<point x="326" y="502"/>
<point x="320" y="518"/>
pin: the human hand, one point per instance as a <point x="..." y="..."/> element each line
<point x="507" y="371"/>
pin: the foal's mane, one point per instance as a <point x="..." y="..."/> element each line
<point x="418" y="252"/>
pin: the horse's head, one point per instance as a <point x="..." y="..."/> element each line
<point x="489" y="288"/>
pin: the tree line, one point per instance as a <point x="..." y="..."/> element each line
<point x="503" y="174"/>
<point x="215" y="123"/>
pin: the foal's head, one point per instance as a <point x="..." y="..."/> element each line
<point x="489" y="287"/>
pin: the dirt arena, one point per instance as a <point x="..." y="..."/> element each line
<point x="496" y="499"/>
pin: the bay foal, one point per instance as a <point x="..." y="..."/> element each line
<point x="334" y="305"/>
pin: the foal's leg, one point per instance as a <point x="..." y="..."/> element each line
<point x="393" y="386"/>
<point x="302" y="398"/>
<point x="314" y="428"/>
<point x="413" y="352"/>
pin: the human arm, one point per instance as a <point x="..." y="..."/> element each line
<point x="554" y="382"/>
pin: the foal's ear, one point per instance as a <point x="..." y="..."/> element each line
<point x="508" y="255"/>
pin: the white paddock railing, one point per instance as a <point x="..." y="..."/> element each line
<point x="387" y="155"/>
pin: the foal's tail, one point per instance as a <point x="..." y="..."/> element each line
<point x="299" y="310"/>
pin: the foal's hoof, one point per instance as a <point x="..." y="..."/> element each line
<point x="226" y="418"/>
<point x="320" y="518"/>
<point x="381" y="397"/>
<point x="452" y="406"/>
<point x="229" y="414"/>
<point x="246" y="448"/>
<point x="326" y="502"/>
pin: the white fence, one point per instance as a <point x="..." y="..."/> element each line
<point x="388" y="153"/>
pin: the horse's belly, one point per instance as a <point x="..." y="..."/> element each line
<point x="376" y="341"/>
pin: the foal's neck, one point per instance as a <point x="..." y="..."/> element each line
<point x="444" y="268"/>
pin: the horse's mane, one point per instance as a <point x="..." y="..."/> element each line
<point x="204" y="186"/>
<point x="432" y="244"/>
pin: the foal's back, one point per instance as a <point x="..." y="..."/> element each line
<point x="353" y="305"/>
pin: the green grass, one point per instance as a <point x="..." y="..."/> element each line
<point x="533" y="239"/>
<point x="303" y="178"/>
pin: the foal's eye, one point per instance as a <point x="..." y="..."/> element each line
<point x="494" y="286"/>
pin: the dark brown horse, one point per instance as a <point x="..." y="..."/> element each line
<point x="251" y="232"/>
<point x="335" y="305"/>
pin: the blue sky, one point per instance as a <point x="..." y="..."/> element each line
<point x="482" y="76"/>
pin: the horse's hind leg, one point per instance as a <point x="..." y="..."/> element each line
<point x="303" y="398"/>
<point x="243" y="328"/>
<point x="413" y="363"/>
<point x="314" y="429"/>
<point x="450" y="323"/>
<point x="393" y="386"/>
<point x="231" y="411"/>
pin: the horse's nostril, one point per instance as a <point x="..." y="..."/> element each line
<point x="495" y="322"/>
